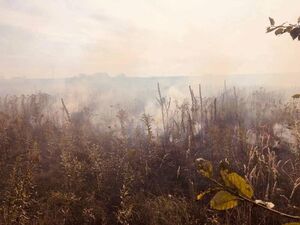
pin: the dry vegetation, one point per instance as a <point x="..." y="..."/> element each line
<point x="67" y="170"/>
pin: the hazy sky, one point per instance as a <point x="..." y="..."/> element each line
<point x="45" y="38"/>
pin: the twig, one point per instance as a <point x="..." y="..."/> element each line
<point x="66" y="110"/>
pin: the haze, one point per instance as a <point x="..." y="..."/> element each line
<point x="145" y="38"/>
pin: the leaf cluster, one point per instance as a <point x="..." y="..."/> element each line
<point x="232" y="182"/>
<point x="292" y="29"/>
<point x="232" y="189"/>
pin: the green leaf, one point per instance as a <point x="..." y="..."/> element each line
<point x="205" y="167"/>
<point x="295" y="32"/>
<point x="289" y="28"/>
<point x="223" y="200"/>
<point x="272" y="21"/>
<point x="202" y="194"/>
<point x="241" y="184"/>
<point x="280" y="31"/>
<point x="224" y="174"/>
<point x="209" y="190"/>
<point x="235" y="181"/>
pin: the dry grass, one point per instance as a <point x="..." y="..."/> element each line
<point x="60" y="169"/>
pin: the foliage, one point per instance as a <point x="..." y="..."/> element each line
<point x="292" y="29"/>
<point x="234" y="189"/>
<point x="223" y="199"/>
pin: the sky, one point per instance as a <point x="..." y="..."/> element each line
<point x="61" y="38"/>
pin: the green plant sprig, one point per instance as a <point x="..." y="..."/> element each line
<point x="237" y="187"/>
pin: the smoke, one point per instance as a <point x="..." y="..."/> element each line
<point x="104" y="96"/>
<point x="285" y="134"/>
